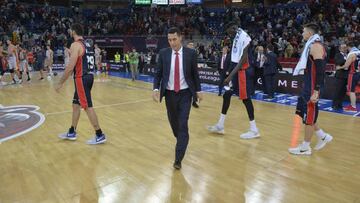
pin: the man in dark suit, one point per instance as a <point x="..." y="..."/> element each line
<point x="195" y="104"/>
<point x="223" y="64"/>
<point x="270" y="70"/>
<point x="341" y="76"/>
<point x="178" y="80"/>
<point x="259" y="68"/>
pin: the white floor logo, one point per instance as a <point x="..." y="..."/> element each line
<point x="18" y="120"/>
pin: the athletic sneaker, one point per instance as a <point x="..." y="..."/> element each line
<point x="68" y="136"/>
<point x="97" y="140"/>
<point x="216" y="129"/>
<point x="323" y="141"/>
<point x="350" y="108"/>
<point x="250" y="135"/>
<point x="300" y="150"/>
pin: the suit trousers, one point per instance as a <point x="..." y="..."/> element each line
<point x="270" y="84"/>
<point x="340" y="92"/>
<point x="178" y="107"/>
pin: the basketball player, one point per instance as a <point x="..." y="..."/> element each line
<point x="313" y="61"/>
<point x="2" y="64"/>
<point x="352" y="62"/>
<point x="82" y="64"/>
<point x="40" y="59"/>
<point x="49" y="60"/>
<point x="104" y="64"/>
<point x="12" y="60"/>
<point x="97" y="58"/>
<point x="31" y="59"/>
<point x="240" y="84"/>
<point x="23" y="63"/>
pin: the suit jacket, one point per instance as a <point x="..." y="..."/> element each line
<point x="227" y="63"/>
<point x="339" y="61"/>
<point x="189" y="67"/>
<point x="271" y="64"/>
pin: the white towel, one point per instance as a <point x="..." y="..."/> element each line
<point x="355" y="51"/>
<point x="301" y="65"/>
<point x="241" y="40"/>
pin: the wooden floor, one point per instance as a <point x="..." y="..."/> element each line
<point x="135" y="165"/>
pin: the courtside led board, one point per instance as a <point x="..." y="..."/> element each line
<point x="160" y="2"/>
<point x="142" y="2"/>
<point x="176" y="2"/>
<point x="193" y="1"/>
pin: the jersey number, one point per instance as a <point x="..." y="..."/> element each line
<point x="91" y="62"/>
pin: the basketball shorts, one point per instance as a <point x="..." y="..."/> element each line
<point x="241" y="84"/>
<point x="353" y="81"/>
<point x="307" y="110"/>
<point x="82" y="95"/>
<point x="12" y="63"/>
<point x="23" y="65"/>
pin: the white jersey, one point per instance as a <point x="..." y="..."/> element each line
<point x="241" y="40"/>
<point x="12" y="61"/>
<point x="48" y="55"/>
<point x="22" y="56"/>
<point x="97" y="53"/>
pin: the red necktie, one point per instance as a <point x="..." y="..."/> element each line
<point x="177" y="73"/>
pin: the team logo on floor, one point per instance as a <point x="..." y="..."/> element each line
<point x="18" y="120"/>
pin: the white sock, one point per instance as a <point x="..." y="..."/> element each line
<point x="253" y="126"/>
<point x="305" y="145"/>
<point x="221" y="120"/>
<point x="320" y="134"/>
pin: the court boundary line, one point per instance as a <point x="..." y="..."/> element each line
<point x="101" y="106"/>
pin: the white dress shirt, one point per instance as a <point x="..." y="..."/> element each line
<point x="261" y="59"/>
<point x="183" y="84"/>
<point x="222" y="62"/>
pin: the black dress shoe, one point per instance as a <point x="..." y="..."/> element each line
<point x="177" y="165"/>
<point x="194" y="104"/>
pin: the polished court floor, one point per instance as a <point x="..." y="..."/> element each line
<point x="135" y="165"/>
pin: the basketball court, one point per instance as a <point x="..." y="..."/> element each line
<point x="135" y="165"/>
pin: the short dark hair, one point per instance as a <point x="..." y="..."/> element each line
<point x="78" y="28"/>
<point x="232" y="23"/>
<point x="313" y="27"/>
<point x="174" y="30"/>
<point x="270" y="47"/>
